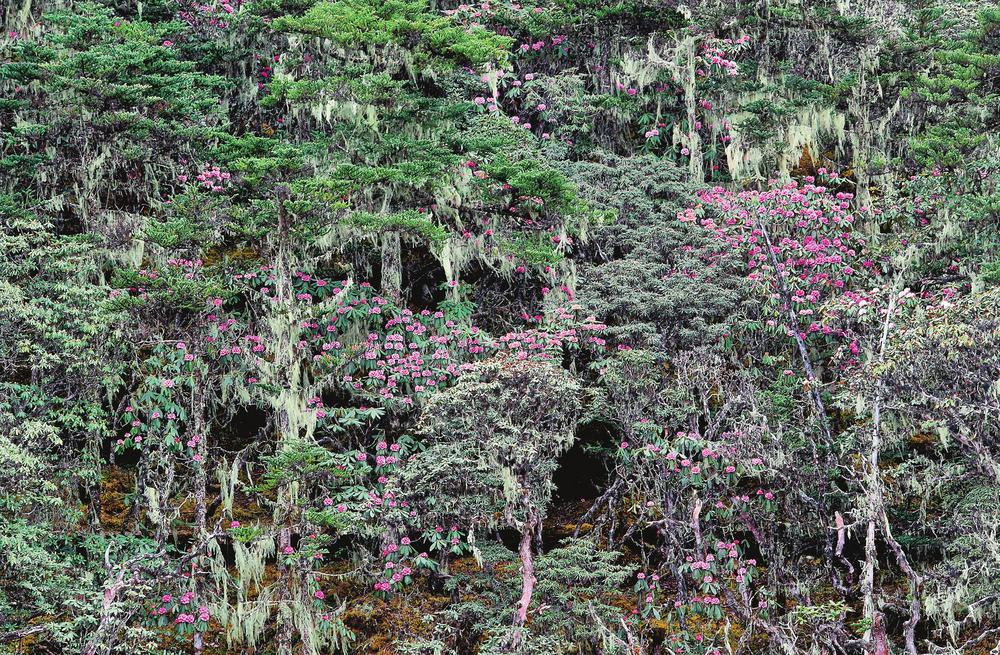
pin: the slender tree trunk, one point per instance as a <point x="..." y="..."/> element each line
<point x="282" y="309"/>
<point x="880" y="642"/>
<point x="527" y="580"/>
<point x="527" y="574"/>
<point x="793" y="326"/>
<point x="868" y="572"/>
<point x="696" y="164"/>
<point x="696" y="525"/>
<point x="105" y="636"/>
<point x="201" y="450"/>
<point x="200" y="483"/>
<point x="94" y="489"/>
<point x="873" y="491"/>
<point x="140" y="491"/>
<point x="286" y="627"/>
<point x="95" y="505"/>
<point x="915" y="583"/>
<point x="392" y="266"/>
<point x="163" y="529"/>
<point x="878" y="518"/>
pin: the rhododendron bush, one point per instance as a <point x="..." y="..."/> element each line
<point x="544" y="327"/>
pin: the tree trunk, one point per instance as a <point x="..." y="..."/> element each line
<point x="282" y="313"/>
<point x="140" y="492"/>
<point x="200" y="483"/>
<point x="527" y="578"/>
<point x="392" y="267"/>
<point x="881" y="643"/>
<point x="201" y="449"/>
<point x="696" y="164"/>
<point x="286" y="627"/>
<point x="868" y="573"/>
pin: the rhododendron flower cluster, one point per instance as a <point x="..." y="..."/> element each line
<point x="208" y="17"/>
<point x="181" y="612"/>
<point x="213" y="179"/>
<point x="717" y="54"/>
<point x="814" y="252"/>
<point x="394" y="356"/>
